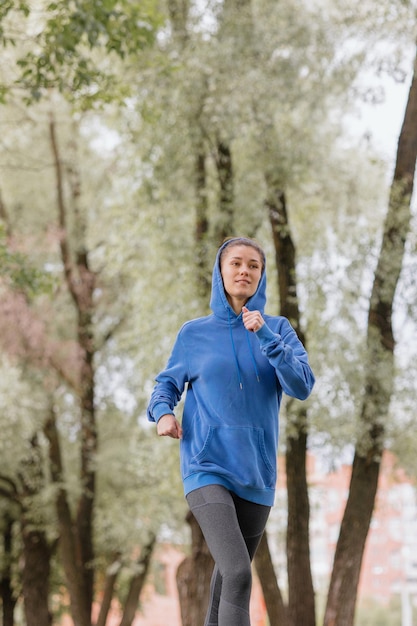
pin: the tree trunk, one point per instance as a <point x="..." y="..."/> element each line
<point x="6" y="589"/>
<point x="224" y="165"/>
<point x="85" y="512"/>
<point x="35" y="577"/>
<point x="137" y="582"/>
<point x="274" y="602"/>
<point x="342" y="595"/>
<point x="109" y="584"/>
<point x="81" y="285"/>
<point x="301" y="599"/>
<point x="201" y="223"/>
<point x="379" y="375"/>
<point x="193" y="578"/>
<point x="36" y="550"/>
<point x="67" y="536"/>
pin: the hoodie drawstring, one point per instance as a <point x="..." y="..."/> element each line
<point x="252" y="357"/>
<point x="239" y="375"/>
<point x="234" y="352"/>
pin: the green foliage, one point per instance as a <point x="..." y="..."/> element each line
<point x="78" y="44"/>
<point x="21" y="413"/>
<point x="139" y="489"/>
<point x="6" y="7"/>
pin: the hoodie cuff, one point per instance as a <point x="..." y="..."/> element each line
<point x="266" y="335"/>
<point x="160" y="409"/>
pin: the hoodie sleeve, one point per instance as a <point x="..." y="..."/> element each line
<point x="288" y="356"/>
<point x="170" y="384"/>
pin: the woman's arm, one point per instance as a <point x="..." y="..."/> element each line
<point x="288" y="356"/>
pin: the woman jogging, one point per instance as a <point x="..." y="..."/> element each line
<point x="235" y="363"/>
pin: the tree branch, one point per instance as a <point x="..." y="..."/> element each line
<point x="62" y="221"/>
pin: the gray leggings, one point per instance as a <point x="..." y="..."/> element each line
<point x="232" y="528"/>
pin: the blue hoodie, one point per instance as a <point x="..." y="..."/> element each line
<point x="235" y="379"/>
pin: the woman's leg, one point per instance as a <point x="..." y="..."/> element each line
<point x="232" y="528"/>
<point x="212" y="617"/>
<point x="252" y="520"/>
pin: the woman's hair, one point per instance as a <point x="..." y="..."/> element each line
<point x="231" y="242"/>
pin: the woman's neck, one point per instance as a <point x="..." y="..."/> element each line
<point x="236" y="303"/>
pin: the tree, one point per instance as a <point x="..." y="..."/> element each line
<point x="22" y="481"/>
<point x="378" y="384"/>
<point x="6" y="588"/>
<point x="301" y="603"/>
<point x="62" y="53"/>
<point x="193" y="577"/>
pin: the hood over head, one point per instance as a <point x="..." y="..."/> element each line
<point x="219" y="303"/>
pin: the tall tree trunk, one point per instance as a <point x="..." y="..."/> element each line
<point x="36" y="549"/>
<point x="109" y="584"/>
<point x="81" y="285"/>
<point x="8" y="599"/>
<point x="35" y="576"/>
<point x="193" y="578"/>
<point x="274" y="601"/>
<point x="379" y="375"/>
<point x="81" y="282"/>
<point x="301" y="600"/>
<point x="201" y="222"/>
<point x="73" y="567"/>
<point x="137" y="582"/>
<point x="224" y="165"/>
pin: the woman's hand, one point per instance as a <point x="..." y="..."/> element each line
<point x="252" y="320"/>
<point x="169" y="426"/>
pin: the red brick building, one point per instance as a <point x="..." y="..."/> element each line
<point x="390" y="558"/>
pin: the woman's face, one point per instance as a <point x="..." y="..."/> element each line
<point x="241" y="269"/>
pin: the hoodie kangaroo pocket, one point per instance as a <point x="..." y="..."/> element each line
<point x="239" y="453"/>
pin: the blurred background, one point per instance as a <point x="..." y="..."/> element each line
<point x="135" y="137"/>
